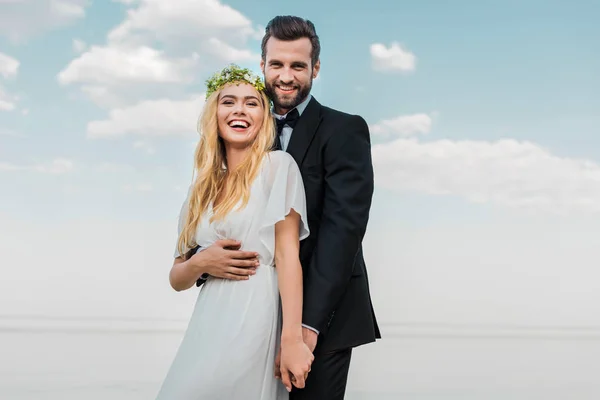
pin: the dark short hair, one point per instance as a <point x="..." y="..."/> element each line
<point x="287" y="27"/>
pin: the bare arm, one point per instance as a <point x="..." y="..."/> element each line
<point x="289" y="272"/>
<point x="296" y="357"/>
<point x="184" y="274"/>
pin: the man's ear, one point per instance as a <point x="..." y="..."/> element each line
<point x="316" y="69"/>
<point x="262" y="66"/>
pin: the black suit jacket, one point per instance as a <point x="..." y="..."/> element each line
<point x="333" y="152"/>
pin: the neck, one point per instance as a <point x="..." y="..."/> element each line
<point x="235" y="156"/>
<point x="281" y="111"/>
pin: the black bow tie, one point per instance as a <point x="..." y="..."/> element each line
<point x="290" y="119"/>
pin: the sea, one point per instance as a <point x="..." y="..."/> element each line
<point x="73" y="358"/>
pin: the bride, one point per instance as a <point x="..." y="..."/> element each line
<point x="242" y="191"/>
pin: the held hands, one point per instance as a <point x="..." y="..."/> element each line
<point x="293" y="362"/>
<point x="310" y="338"/>
<point x="224" y="260"/>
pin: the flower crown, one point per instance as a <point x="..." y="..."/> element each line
<point x="233" y="74"/>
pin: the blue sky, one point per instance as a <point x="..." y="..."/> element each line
<point x="484" y="122"/>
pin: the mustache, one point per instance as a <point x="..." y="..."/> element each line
<point x="280" y="83"/>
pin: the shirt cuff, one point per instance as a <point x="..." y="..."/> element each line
<point x="311" y="328"/>
<point x="204" y="277"/>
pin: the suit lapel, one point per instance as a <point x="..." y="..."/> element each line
<point x="304" y="131"/>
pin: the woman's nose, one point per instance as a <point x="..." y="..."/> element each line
<point x="239" y="108"/>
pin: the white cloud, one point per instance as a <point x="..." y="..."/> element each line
<point x="139" y="187"/>
<point x="226" y="53"/>
<point x="105" y="96"/>
<point x="7" y="101"/>
<point x="9" y="67"/>
<point x="181" y="19"/>
<point x="161" y="117"/>
<point x="144" y="146"/>
<point x="259" y="32"/>
<point x="394" y="58"/>
<point x="114" y="65"/>
<point x="10" y="132"/>
<point x="79" y="45"/>
<point x="68" y="8"/>
<point x="56" y="167"/>
<point x="159" y="48"/>
<point x="20" y="20"/>
<point x="404" y="125"/>
<point x="108" y="167"/>
<point x="505" y="172"/>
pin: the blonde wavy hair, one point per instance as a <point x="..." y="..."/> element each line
<point x="209" y="161"/>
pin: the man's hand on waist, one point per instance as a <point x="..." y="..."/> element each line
<point x="223" y="259"/>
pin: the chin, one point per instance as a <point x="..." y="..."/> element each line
<point x="238" y="142"/>
<point x="286" y="101"/>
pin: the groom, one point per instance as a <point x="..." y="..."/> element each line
<point x="333" y="152"/>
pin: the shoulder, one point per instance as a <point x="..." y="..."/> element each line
<point x="337" y="122"/>
<point x="278" y="163"/>
<point x="339" y="127"/>
<point x="280" y="170"/>
<point x="279" y="158"/>
<point x="331" y="116"/>
<point x="336" y="116"/>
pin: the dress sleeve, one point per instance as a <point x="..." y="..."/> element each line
<point x="182" y="216"/>
<point x="284" y="191"/>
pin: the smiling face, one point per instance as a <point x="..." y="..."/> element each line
<point x="240" y="114"/>
<point x="288" y="72"/>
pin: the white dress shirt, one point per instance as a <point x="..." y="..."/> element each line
<point x="286" y="132"/>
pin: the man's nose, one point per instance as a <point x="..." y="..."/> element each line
<point x="286" y="75"/>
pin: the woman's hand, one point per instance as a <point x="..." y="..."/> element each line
<point x="295" y="362"/>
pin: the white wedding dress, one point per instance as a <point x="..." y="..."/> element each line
<point x="228" y="351"/>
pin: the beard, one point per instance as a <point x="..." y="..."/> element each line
<point x="287" y="102"/>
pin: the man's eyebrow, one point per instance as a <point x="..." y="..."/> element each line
<point x="299" y="64"/>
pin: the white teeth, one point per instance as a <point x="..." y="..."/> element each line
<point x="286" y="88"/>
<point x="240" y="123"/>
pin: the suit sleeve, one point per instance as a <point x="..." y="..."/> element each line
<point x="347" y="201"/>
<point x="204" y="276"/>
